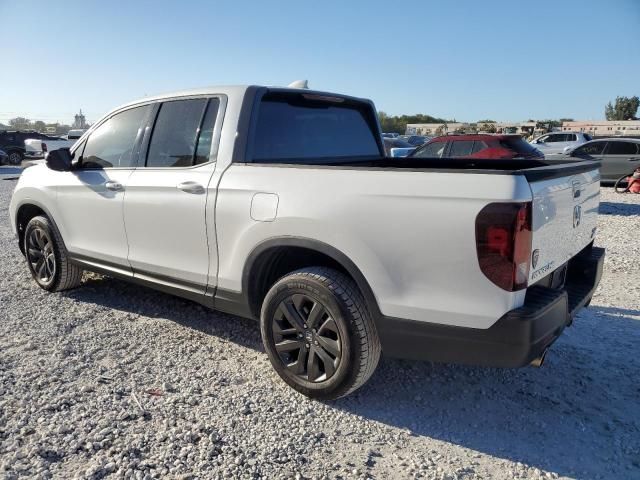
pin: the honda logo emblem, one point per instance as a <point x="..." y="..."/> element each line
<point x="577" y="216"/>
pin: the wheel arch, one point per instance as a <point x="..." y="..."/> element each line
<point x="265" y="265"/>
<point x="24" y="213"/>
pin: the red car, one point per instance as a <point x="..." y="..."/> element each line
<point x="478" y="146"/>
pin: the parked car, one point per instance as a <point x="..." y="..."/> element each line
<point x="557" y="142"/>
<point x="478" y="146"/>
<point x="38" y="147"/>
<point x="396" y="147"/>
<point x="390" y="135"/>
<point x="255" y="201"/>
<point x="75" y="134"/>
<point x="415" y="140"/>
<point x="12" y="143"/>
<point x="619" y="156"/>
<point x="4" y="158"/>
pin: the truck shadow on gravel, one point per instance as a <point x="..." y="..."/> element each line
<point x="621" y="209"/>
<point x="576" y="416"/>
<point x="139" y="300"/>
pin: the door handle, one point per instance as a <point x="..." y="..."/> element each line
<point x="113" y="186"/>
<point x="191" y="187"/>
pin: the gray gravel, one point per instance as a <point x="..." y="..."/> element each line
<point x="115" y="380"/>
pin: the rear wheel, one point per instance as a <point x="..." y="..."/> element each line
<point x="47" y="257"/>
<point x="15" y="158"/>
<point x="318" y="333"/>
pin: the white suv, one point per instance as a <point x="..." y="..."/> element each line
<point x="560" y="142"/>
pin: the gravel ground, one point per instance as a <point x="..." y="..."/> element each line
<point x="115" y="380"/>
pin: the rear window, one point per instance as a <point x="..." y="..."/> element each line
<point x="518" y="145"/>
<point x="311" y="130"/>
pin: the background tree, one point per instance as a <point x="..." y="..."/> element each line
<point x="550" y="123"/>
<point x="625" y="108"/>
<point x="39" y="125"/>
<point x="20" y="123"/>
<point x="488" y="127"/>
<point x="398" y="124"/>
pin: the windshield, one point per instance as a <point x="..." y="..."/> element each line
<point x="311" y="129"/>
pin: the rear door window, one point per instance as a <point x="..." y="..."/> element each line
<point x="478" y="146"/>
<point x="176" y="134"/>
<point x="622" y="148"/>
<point x="571" y="137"/>
<point x="461" y="148"/>
<point x="311" y="129"/>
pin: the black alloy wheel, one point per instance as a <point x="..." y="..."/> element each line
<point x="307" y="338"/>
<point x="47" y="257"/>
<point x="318" y="334"/>
<point x="41" y="256"/>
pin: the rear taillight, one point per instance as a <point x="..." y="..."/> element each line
<point x="43" y="146"/>
<point x="503" y="243"/>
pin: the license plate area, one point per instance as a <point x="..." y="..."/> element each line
<point x="559" y="277"/>
<point x="555" y="279"/>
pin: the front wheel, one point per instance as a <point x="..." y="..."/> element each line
<point x="15" y="158"/>
<point x="47" y="257"/>
<point x="318" y="333"/>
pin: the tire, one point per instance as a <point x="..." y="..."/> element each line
<point x="15" y="157"/>
<point x="621" y="185"/>
<point x="47" y="257"/>
<point x="318" y="333"/>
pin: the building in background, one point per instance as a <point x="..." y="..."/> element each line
<point x="604" y="128"/>
<point x="80" y="122"/>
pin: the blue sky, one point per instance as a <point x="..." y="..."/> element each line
<point x="467" y="60"/>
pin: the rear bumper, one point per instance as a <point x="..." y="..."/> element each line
<point x="516" y="339"/>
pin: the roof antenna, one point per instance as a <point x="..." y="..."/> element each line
<point x="299" y="84"/>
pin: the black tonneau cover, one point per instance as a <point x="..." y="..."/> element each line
<point x="532" y="170"/>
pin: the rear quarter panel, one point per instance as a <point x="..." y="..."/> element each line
<point x="411" y="234"/>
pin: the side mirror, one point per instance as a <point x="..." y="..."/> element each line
<point x="59" y="160"/>
<point x="567" y="150"/>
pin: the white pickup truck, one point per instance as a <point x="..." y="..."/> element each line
<point x="279" y="204"/>
<point x="39" y="147"/>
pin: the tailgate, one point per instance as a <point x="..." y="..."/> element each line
<point x="564" y="219"/>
